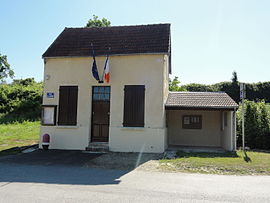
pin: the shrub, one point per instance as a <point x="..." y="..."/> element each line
<point x="257" y="125"/>
<point x="20" y="100"/>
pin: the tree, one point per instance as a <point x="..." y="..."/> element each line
<point x="233" y="90"/>
<point x="20" y="100"/>
<point x="257" y="125"/>
<point x="234" y="78"/>
<point x="194" y="87"/>
<point x="263" y="135"/>
<point x="5" y="70"/>
<point x="95" y="22"/>
<point x="24" y="82"/>
<point x="174" y="85"/>
<point x="251" y="124"/>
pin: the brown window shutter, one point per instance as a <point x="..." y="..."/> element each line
<point x="63" y="105"/>
<point x="68" y="102"/>
<point x="134" y="104"/>
<point x="73" y="101"/>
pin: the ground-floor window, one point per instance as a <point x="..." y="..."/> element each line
<point x="68" y="102"/>
<point x="192" y="122"/>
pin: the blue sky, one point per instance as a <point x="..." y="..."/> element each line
<point x="210" y="38"/>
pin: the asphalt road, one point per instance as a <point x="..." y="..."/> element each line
<point x="62" y="183"/>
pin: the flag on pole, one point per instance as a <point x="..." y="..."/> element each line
<point x="107" y="70"/>
<point x="94" y="66"/>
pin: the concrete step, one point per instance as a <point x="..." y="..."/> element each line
<point x="98" y="147"/>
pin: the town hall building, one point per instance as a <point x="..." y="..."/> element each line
<point x="109" y="86"/>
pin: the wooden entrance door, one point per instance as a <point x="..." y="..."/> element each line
<point x="100" y="113"/>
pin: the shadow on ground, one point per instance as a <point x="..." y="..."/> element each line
<point x="69" y="167"/>
<point x="246" y="157"/>
<point x="16" y="150"/>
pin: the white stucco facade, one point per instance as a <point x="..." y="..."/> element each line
<point x="162" y="128"/>
<point x="150" y="70"/>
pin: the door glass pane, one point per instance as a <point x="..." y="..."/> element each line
<point x="102" y="96"/>
<point x="95" y="89"/>
<point x="107" y="97"/>
<point x="107" y="89"/>
<point x="101" y="93"/>
<point x="95" y="97"/>
<point x="101" y="90"/>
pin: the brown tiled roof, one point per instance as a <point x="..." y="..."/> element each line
<point x="136" y="39"/>
<point x="200" y="100"/>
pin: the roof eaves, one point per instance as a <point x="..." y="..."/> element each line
<point x="178" y="107"/>
<point x="147" y="53"/>
<point x="120" y="26"/>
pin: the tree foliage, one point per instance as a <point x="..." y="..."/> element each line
<point x="195" y="87"/>
<point x="95" y="22"/>
<point x="257" y="125"/>
<point x="20" y="100"/>
<point x="174" y="85"/>
<point x="254" y="91"/>
<point x="234" y="77"/>
<point x="5" y="70"/>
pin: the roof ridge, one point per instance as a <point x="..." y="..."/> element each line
<point x="115" y="26"/>
<point x="123" y="40"/>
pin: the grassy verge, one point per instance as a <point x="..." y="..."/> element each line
<point x="238" y="163"/>
<point x="18" y="135"/>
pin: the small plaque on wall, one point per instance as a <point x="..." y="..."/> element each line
<point x="50" y="94"/>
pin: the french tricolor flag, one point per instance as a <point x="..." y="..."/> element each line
<point x="107" y="70"/>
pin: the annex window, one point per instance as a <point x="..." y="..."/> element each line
<point x="68" y="100"/>
<point x="134" y="100"/>
<point x="192" y="122"/>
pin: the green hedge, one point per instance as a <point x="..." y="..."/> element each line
<point x="20" y="100"/>
<point x="257" y="125"/>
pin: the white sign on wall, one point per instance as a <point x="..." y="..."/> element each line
<point x="48" y="115"/>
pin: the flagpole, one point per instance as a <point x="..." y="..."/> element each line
<point x="93" y="53"/>
<point x="105" y="63"/>
<point x="94" y="67"/>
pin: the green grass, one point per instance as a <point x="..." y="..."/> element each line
<point x="18" y="134"/>
<point x="238" y="163"/>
